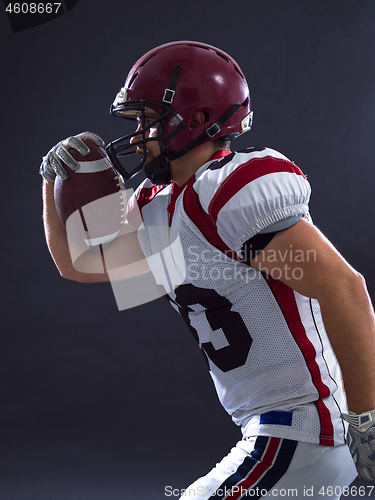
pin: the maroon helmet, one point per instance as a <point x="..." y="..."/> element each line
<point x="175" y="80"/>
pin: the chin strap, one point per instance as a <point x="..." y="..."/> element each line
<point x="158" y="171"/>
<point x="209" y="133"/>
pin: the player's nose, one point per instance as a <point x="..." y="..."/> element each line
<point x="137" y="136"/>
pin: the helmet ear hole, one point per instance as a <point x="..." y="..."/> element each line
<point x="198" y="118"/>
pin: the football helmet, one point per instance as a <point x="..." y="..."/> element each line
<point x="173" y="81"/>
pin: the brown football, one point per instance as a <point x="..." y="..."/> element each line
<point x="91" y="202"/>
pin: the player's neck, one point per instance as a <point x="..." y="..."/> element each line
<point x="186" y="166"/>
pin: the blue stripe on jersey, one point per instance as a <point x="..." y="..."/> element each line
<point x="277" y="418"/>
<point x="268" y="479"/>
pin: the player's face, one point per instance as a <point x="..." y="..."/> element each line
<point x="152" y="147"/>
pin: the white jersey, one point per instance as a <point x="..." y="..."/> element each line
<point x="268" y="354"/>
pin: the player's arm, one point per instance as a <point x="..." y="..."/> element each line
<point x="124" y="255"/>
<point x="348" y="317"/>
<point x="74" y="260"/>
<point x="321" y="272"/>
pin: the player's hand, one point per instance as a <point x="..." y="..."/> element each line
<point x="52" y="163"/>
<point x="361" y="442"/>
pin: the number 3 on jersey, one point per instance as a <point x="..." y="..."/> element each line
<point x="219" y="316"/>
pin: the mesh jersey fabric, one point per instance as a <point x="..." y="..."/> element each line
<point x="265" y="344"/>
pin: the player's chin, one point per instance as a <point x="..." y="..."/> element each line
<point x="148" y="160"/>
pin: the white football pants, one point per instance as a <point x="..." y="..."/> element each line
<point x="269" y="467"/>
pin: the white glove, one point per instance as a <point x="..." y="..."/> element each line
<point x="361" y="442"/>
<point x="52" y="162"/>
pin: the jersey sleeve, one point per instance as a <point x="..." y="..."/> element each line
<point x="252" y="192"/>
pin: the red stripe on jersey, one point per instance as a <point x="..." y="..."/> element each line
<point x="265" y="463"/>
<point x="221" y="153"/>
<point x="244" y="174"/>
<point x="286" y="300"/>
<point x="326" y="424"/>
<point x="144" y="196"/>
<point x="203" y="221"/>
<point x="177" y="190"/>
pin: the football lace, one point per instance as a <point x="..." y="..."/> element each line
<point x="121" y="186"/>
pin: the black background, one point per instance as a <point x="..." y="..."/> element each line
<point x="101" y="404"/>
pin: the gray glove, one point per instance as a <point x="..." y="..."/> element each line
<point x="52" y="162"/>
<point x="361" y="442"/>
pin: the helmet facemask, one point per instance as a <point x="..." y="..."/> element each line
<point x="121" y="148"/>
